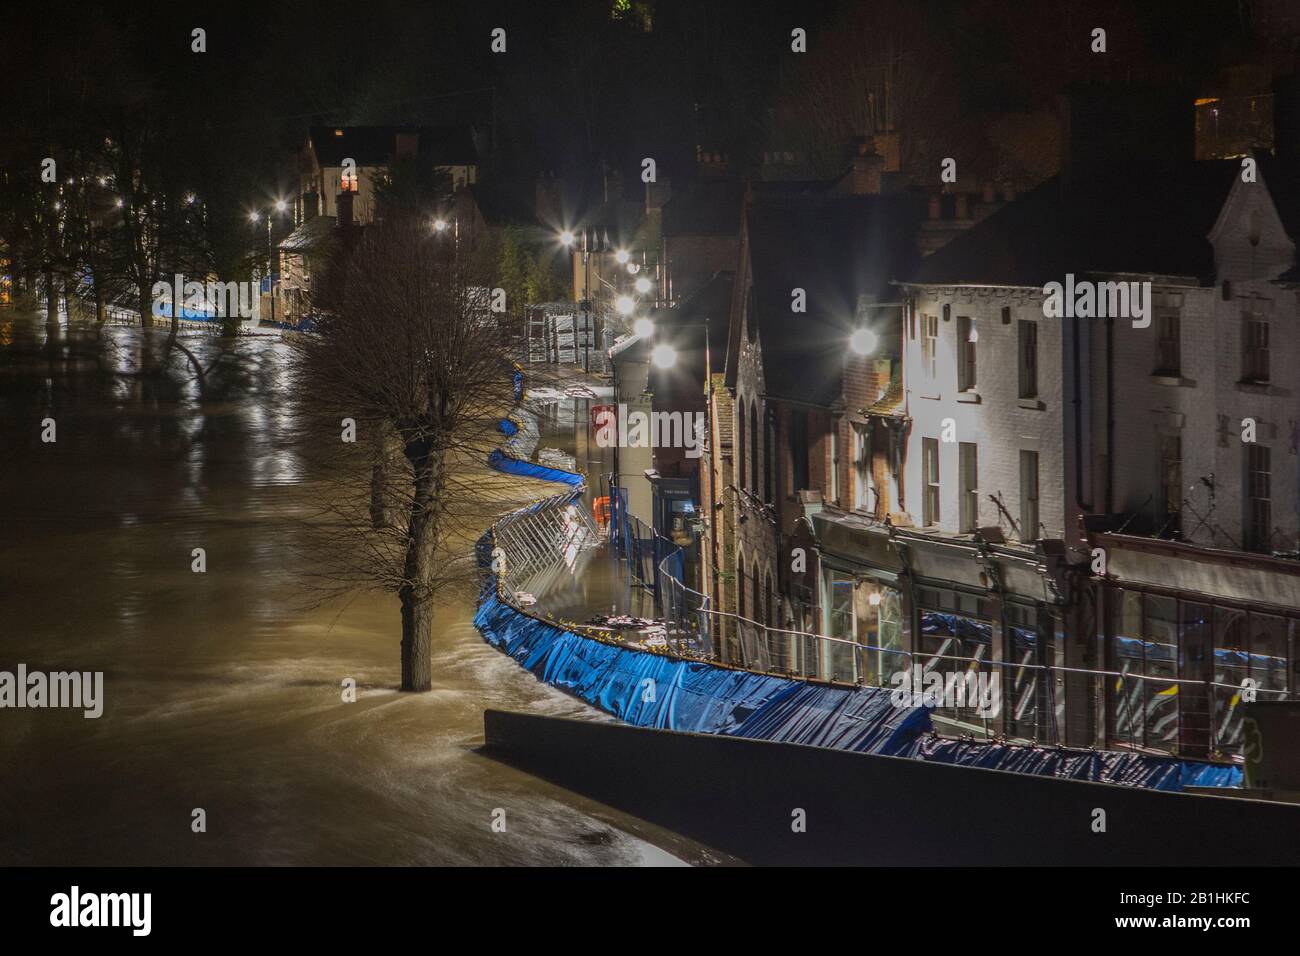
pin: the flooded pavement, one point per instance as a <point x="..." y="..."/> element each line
<point x="221" y="692"/>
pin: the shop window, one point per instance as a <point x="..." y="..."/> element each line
<point x="1145" y="695"/>
<point x="1027" y="698"/>
<point x="1248" y="646"/>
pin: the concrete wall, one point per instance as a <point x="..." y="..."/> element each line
<point x="739" y="796"/>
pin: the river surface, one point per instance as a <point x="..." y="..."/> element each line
<point x="221" y="692"/>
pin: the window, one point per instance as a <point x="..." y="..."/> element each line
<point x="861" y="468"/>
<point x="835" y="462"/>
<point x="966" y="339"/>
<point x="753" y="447"/>
<point x="1171" y="476"/>
<point x="799" y="449"/>
<point x="770" y="472"/>
<point x="348" y="182"/>
<point x="1028" y="496"/>
<point x="930" y="476"/>
<point x="1259" y="505"/>
<point x="1168" y="347"/>
<point x="740" y="586"/>
<point x="1145" y="695"/>
<point x="1254" y="353"/>
<point x="1028" y="342"/>
<point x="740" y="445"/>
<point x="929" y="346"/>
<point x="968" y="478"/>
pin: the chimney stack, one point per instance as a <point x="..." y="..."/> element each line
<point x="867" y="168"/>
<point x="345" y="208"/>
<point x="407" y="145"/>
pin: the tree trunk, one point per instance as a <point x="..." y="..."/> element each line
<point x="51" y="299"/>
<point x="418" y="571"/>
<point x="146" y="307"/>
<point x="417" y="642"/>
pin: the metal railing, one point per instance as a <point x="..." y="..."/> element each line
<point x="1025" y="703"/>
<point x="542" y="542"/>
<point x="1146" y="712"/>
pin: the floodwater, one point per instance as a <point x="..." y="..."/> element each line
<point x="221" y="692"/>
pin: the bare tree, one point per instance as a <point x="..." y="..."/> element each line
<point x="408" y="349"/>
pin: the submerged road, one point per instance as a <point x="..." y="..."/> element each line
<point x="222" y="690"/>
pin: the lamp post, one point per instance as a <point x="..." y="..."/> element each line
<point x="279" y="207"/>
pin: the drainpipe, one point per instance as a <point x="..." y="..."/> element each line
<point x="1078" y="423"/>
<point x="1110" y="415"/>
<point x="716" y="513"/>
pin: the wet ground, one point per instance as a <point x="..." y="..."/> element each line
<point x="222" y="692"/>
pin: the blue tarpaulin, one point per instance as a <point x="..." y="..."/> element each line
<point x="698" y="697"/>
<point x="514" y="466"/>
<point x="651" y="690"/>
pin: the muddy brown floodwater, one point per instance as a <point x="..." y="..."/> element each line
<point x="221" y="692"/>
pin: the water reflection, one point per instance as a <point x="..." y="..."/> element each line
<point x="221" y="691"/>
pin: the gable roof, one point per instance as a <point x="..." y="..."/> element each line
<point x="1149" y="220"/>
<point x="377" y="145"/>
<point x="836" y="251"/>
<point x="705" y="208"/>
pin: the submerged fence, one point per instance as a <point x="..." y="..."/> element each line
<point x="660" y="566"/>
<point x="540" y="543"/>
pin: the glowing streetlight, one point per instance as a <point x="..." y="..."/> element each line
<point x="281" y="205"/>
<point x="624" y="305"/>
<point x="664" y="356"/>
<point x="118" y="202"/>
<point x="642" y="285"/>
<point x="254" y="216"/>
<point x="189" y="199"/>
<point x="566" y="237"/>
<point x="863" y="341"/>
<point x="622" y="256"/>
<point x="644" y="328"/>
<point x="439" y="225"/>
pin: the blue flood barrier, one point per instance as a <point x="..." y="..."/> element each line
<point x="698" y="697"/>
<point x="513" y="466"/>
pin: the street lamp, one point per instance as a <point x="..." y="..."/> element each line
<point x="642" y="285"/>
<point x="863" y="341"/>
<point x="622" y="256"/>
<point x="663" y="356"/>
<point x="566" y="238"/>
<point x="439" y="225"/>
<point x="643" y="327"/>
<point x="624" y="305"/>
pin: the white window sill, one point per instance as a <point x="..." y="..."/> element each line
<point x="1173" y="381"/>
<point x="1033" y="404"/>
<point x="969" y="397"/>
